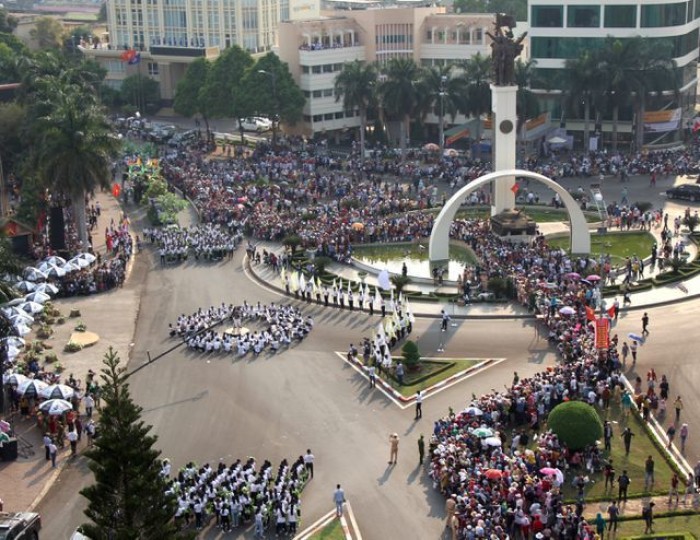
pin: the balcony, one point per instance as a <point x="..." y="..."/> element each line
<point x="333" y="55"/>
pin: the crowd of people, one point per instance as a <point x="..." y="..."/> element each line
<point x="279" y="325"/>
<point x="238" y="494"/>
<point x="207" y="241"/>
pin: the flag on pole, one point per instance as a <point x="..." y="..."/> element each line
<point x="377" y="298"/>
<point x="302" y="282"/>
<point x="514" y="188"/>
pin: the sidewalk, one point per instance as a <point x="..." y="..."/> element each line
<point x="27" y="479"/>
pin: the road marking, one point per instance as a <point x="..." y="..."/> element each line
<point x="403" y="402"/>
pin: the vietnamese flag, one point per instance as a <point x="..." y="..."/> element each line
<point x="515" y="188"/>
<point x="590" y="313"/>
<point x="611" y="312"/>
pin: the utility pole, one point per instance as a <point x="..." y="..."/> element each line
<point x="443" y="86"/>
<point x="275" y="109"/>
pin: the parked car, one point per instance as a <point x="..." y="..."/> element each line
<point x="183" y="137"/>
<point x="256" y="123"/>
<point x="20" y="525"/>
<point x="687" y="192"/>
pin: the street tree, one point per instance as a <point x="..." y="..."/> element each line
<point x="222" y="90"/>
<point x="74" y="146"/>
<point x="190" y="98"/>
<point x="441" y="98"/>
<point x="527" y="105"/>
<point x="12" y="124"/>
<point x="476" y="76"/>
<point x="356" y="86"/>
<point x="517" y="8"/>
<point x="400" y="92"/>
<point x="48" y="33"/>
<point x="128" y="498"/>
<point x="8" y="22"/>
<point x="141" y="92"/>
<point x="582" y="84"/>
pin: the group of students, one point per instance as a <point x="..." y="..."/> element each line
<point x="205" y="242"/>
<point x="281" y="325"/>
<point x="238" y="494"/>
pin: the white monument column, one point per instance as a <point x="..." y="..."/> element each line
<point x="504" y="140"/>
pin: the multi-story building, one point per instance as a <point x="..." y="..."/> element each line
<point x="172" y="33"/>
<point x="316" y="50"/>
<point x="562" y="29"/>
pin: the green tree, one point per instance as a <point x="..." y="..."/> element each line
<point x="577" y="424"/>
<point x="517" y="8"/>
<point x="400" y="281"/>
<point x="270" y="90"/>
<point x="442" y="94"/>
<point x="75" y="146"/>
<point x="526" y="102"/>
<point x="8" y="23"/>
<point x="400" y="92"/>
<point x="102" y="15"/>
<point x="48" y="33"/>
<point x="141" y="92"/>
<point x="411" y="355"/>
<point x="128" y="499"/>
<point x="9" y="265"/>
<point x="190" y="98"/>
<point x="477" y="96"/>
<point x="222" y="91"/>
<point x="582" y="84"/>
<point x="356" y="86"/>
<point x="12" y="122"/>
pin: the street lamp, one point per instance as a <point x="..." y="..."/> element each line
<point x="443" y="93"/>
<point x="273" y="78"/>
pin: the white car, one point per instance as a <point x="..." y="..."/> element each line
<point x="256" y="123"/>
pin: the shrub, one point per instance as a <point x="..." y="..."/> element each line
<point x="72" y="346"/>
<point x="81" y="327"/>
<point x="44" y="331"/>
<point x="61" y="320"/>
<point x="498" y="286"/>
<point x="74" y="313"/>
<point x="410" y="354"/>
<point x="400" y="282"/>
<point x="577" y="424"/>
<point x="292" y="242"/>
<point x="321" y="263"/>
<point x="644" y="205"/>
<point x="50" y="358"/>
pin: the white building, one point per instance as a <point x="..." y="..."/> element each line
<point x="562" y="29"/>
<point x="316" y="50"/>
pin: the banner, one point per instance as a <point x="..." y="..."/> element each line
<point x="659" y="121"/>
<point x="602" y="333"/>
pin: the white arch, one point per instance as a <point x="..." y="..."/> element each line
<point x="440" y="235"/>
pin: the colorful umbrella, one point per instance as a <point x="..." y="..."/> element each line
<point x="593" y="277"/>
<point x="483" y="432"/>
<point x="473" y="411"/>
<point x="572" y="275"/>
<point x="493" y="474"/>
<point x="567" y="310"/>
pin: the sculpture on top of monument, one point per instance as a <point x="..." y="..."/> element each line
<point x="505" y="49"/>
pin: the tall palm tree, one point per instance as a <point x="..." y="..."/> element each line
<point x="76" y="146"/>
<point x="356" y="84"/>
<point x="476" y="77"/>
<point x="582" y="84"/>
<point x="616" y="57"/>
<point x="527" y="105"/>
<point x="442" y="91"/>
<point x="400" y="93"/>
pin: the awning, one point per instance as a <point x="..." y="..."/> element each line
<point x="459" y="132"/>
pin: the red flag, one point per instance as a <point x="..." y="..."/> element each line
<point x="590" y="313"/>
<point x="116" y="190"/>
<point x="611" y="312"/>
<point x="128" y="55"/>
<point x="515" y="188"/>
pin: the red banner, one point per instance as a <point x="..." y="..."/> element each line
<point x="602" y="333"/>
<point x="116" y="190"/>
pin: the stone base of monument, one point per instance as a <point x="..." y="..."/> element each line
<point x="86" y="339"/>
<point x="514" y="225"/>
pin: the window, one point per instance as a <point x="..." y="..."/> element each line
<point x="478" y="36"/>
<point x="429" y="35"/>
<point x="328" y="68"/>
<point x="620" y="16"/>
<point x="153" y="70"/>
<point x="339" y="116"/>
<point x="583" y="16"/>
<point x="656" y="15"/>
<point x="318" y="118"/>
<point x="328" y="92"/>
<point x="307" y="94"/>
<point x="328" y="116"/>
<point x="316" y="69"/>
<point x="337" y="67"/>
<point x="547" y="16"/>
<point x="305" y="69"/>
<point x="116" y="66"/>
<point x="318" y="93"/>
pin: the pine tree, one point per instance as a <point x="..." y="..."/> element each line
<point x="127" y="500"/>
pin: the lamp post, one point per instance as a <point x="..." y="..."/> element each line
<point x="443" y="93"/>
<point x="273" y="78"/>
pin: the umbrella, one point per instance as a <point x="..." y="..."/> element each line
<point x="493" y="474"/>
<point x="89" y="257"/>
<point x="14" y="341"/>
<point x="56" y="407"/>
<point x="450" y="152"/>
<point x="31" y="388"/>
<point x="557" y="140"/>
<point x="548" y="471"/>
<point x="483" y="432"/>
<point x="25" y="286"/>
<point x="21" y="329"/>
<point x="473" y="411"/>
<point x="12" y="353"/>
<point x="593" y="277"/>
<point x="80" y="263"/>
<point x="431" y="147"/>
<point x="358" y="227"/>
<point x="586" y="282"/>
<point x="492" y="441"/>
<point x="13" y="378"/>
<point x="55" y="260"/>
<point x="639" y="339"/>
<point x="573" y="275"/>
<point x="21" y="318"/>
<point x="56" y="272"/>
<point x="47" y="288"/>
<point x="38" y="297"/>
<point x="567" y="310"/>
<point x="57" y="391"/>
<point x="70" y="267"/>
<point x="45" y="267"/>
<point x="32" y="307"/>
<point x="33" y="274"/>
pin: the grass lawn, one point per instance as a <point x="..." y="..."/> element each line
<point x="408" y="390"/>
<point x="617" y="244"/>
<point x="667" y="525"/>
<point x="641" y="447"/>
<point x="540" y="214"/>
<point x="332" y="531"/>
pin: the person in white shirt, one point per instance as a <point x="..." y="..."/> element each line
<point x="309" y="463"/>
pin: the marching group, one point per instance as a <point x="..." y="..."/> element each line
<point x="205" y="241"/>
<point x="280" y="326"/>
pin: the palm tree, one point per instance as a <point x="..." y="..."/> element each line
<point x="440" y="90"/>
<point x="616" y="58"/>
<point x="400" y="93"/>
<point x="356" y="84"/>
<point x="582" y="84"/>
<point x="75" y="148"/>
<point x="526" y="101"/>
<point x="477" y="96"/>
